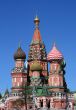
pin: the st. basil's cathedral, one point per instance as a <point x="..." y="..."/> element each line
<point x="34" y="86"/>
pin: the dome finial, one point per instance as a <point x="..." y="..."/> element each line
<point x="36" y="21"/>
<point x="19" y="45"/>
<point x="54" y="44"/>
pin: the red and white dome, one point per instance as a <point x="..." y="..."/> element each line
<point x="54" y="54"/>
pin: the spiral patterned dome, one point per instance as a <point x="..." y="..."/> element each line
<point x="54" y="54"/>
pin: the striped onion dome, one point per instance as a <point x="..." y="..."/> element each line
<point x="54" y="54"/>
<point x="19" y="54"/>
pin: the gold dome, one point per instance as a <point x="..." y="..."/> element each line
<point x="35" y="66"/>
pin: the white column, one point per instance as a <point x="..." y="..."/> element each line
<point x="44" y="102"/>
<point x="38" y="103"/>
<point x="51" y="103"/>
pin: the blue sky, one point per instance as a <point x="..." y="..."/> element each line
<point x="57" y="24"/>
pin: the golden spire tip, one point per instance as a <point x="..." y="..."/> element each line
<point x="36" y="21"/>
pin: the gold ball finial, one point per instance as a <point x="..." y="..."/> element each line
<point x="36" y="21"/>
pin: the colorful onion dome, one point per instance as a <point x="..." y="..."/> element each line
<point x="54" y="54"/>
<point x="19" y="54"/>
<point x="35" y="66"/>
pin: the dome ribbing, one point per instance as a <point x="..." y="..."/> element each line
<point x="54" y="54"/>
<point x="19" y="54"/>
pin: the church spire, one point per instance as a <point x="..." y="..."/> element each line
<point x="37" y="49"/>
<point x="37" y="36"/>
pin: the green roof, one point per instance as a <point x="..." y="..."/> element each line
<point x="42" y="92"/>
<point x="39" y="91"/>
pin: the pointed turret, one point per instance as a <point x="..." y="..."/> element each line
<point x="37" y="49"/>
<point x="36" y="37"/>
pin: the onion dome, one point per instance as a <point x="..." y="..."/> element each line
<point x="19" y="54"/>
<point x="35" y="66"/>
<point x="54" y="54"/>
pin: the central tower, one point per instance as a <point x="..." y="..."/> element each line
<point x="37" y="50"/>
